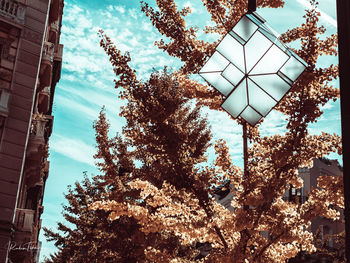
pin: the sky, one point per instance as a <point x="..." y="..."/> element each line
<point x="86" y="85"/>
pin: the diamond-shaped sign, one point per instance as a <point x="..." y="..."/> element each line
<point x="252" y="68"/>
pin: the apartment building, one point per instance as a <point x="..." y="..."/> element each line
<point x="30" y="66"/>
<point x="320" y="167"/>
<point x="322" y="227"/>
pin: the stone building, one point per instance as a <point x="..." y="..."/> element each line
<point x="30" y="66"/>
<point x="322" y="227"/>
<point x="320" y="167"/>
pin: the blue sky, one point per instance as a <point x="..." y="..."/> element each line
<point x="87" y="84"/>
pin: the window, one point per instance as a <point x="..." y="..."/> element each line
<point x="296" y="195"/>
<point x="5" y="46"/>
<point x="2" y="126"/>
<point x="33" y="196"/>
<point x="4" y="98"/>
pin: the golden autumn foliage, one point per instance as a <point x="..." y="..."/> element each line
<point x="273" y="161"/>
<point x="158" y="166"/>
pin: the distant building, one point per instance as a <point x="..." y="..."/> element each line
<point x="320" y="167"/>
<point x="320" y="225"/>
<point x="30" y="66"/>
<point x="224" y="196"/>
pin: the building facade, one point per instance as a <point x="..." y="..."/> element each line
<point x="321" y="227"/>
<point x="321" y="167"/>
<point x="30" y="66"/>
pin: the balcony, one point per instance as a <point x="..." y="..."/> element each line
<point x="46" y="167"/>
<point x="48" y="52"/>
<point x="13" y="11"/>
<point x="55" y="26"/>
<point x="24" y="219"/>
<point x="43" y="101"/>
<point x="58" y="52"/>
<point x="55" y="9"/>
<point x="37" y="131"/>
<point x="32" y="171"/>
<point x="46" y="64"/>
<point x="38" y="134"/>
<point x="54" y="31"/>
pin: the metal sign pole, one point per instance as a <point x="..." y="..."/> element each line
<point x="245" y="155"/>
<point x="251" y="6"/>
<point x="245" y="149"/>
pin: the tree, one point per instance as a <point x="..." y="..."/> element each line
<point x="94" y="237"/>
<point x="90" y="236"/>
<point x="273" y="161"/>
<point x="83" y="243"/>
<point x="168" y="186"/>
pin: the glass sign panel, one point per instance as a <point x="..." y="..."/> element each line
<point x="252" y="69"/>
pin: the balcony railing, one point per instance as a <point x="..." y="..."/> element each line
<point x="46" y="166"/>
<point x="55" y="25"/>
<point x="24" y="219"/>
<point x="38" y="128"/>
<point x="43" y="101"/>
<point x="12" y="10"/>
<point x="39" y="131"/>
<point x="59" y="52"/>
<point x="48" y="52"/>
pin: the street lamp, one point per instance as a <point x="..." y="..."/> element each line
<point x="252" y="68"/>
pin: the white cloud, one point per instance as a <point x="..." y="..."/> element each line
<point x="327" y="18"/>
<point x="133" y="13"/>
<point x="110" y="8"/>
<point x="147" y="27"/>
<point x="75" y="107"/>
<point x="274" y="123"/>
<point x="120" y="9"/>
<point x="188" y="4"/>
<point x="78" y="63"/>
<point x="73" y="148"/>
<point x="77" y="16"/>
<point x="95" y="98"/>
<point x="328" y="105"/>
